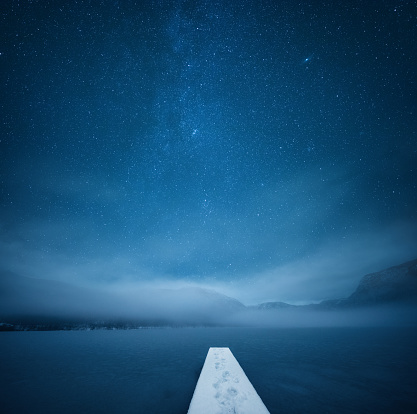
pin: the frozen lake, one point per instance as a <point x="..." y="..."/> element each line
<point x="361" y="370"/>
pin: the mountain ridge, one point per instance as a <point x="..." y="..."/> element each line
<point x="393" y="284"/>
<point x="40" y="304"/>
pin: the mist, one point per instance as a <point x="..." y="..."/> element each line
<point x="39" y="286"/>
<point x="393" y="315"/>
<point x="24" y="299"/>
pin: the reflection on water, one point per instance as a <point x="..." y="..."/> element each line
<point x="155" y="370"/>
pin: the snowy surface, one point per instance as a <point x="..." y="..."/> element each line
<point x="224" y="388"/>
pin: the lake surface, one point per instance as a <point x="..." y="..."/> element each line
<point x="317" y="370"/>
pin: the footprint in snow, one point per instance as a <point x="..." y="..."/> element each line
<point x="232" y="391"/>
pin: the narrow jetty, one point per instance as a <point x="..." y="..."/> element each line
<point x="223" y="387"/>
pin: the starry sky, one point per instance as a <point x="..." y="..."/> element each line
<point x="266" y="148"/>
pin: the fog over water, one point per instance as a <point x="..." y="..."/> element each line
<point x="24" y="299"/>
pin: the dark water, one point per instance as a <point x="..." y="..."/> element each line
<point x="329" y="370"/>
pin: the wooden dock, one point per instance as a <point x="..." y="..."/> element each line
<point x="223" y="387"/>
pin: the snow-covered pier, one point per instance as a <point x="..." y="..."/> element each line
<point x="223" y="387"/>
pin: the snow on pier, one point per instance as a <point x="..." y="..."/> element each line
<point x="224" y="388"/>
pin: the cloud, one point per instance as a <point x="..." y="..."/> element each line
<point x="30" y="299"/>
<point x="333" y="270"/>
<point x="36" y="301"/>
<point x="329" y="271"/>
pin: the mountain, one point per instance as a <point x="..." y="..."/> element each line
<point x="28" y="303"/>
<point x="397" y="284"/>
<point x="20" y="295"/>
<point x="48" y="304"/>
<point x="212" y="300"/>
<point x="274" y="305"/>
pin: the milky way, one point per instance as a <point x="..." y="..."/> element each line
<point x="233" y="143"/>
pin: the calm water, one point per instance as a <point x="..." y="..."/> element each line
<point x="155" y="370"/>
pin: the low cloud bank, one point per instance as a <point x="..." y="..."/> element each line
<point x="27" y="298"/>
<point x="389" y="315"/>
<point x="331" y="270"/>
<point x="23" y="299"/>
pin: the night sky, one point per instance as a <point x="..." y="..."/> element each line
<point x="266" y="149"/>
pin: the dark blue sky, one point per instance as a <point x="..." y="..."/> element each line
<point x="264" y="148"/>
